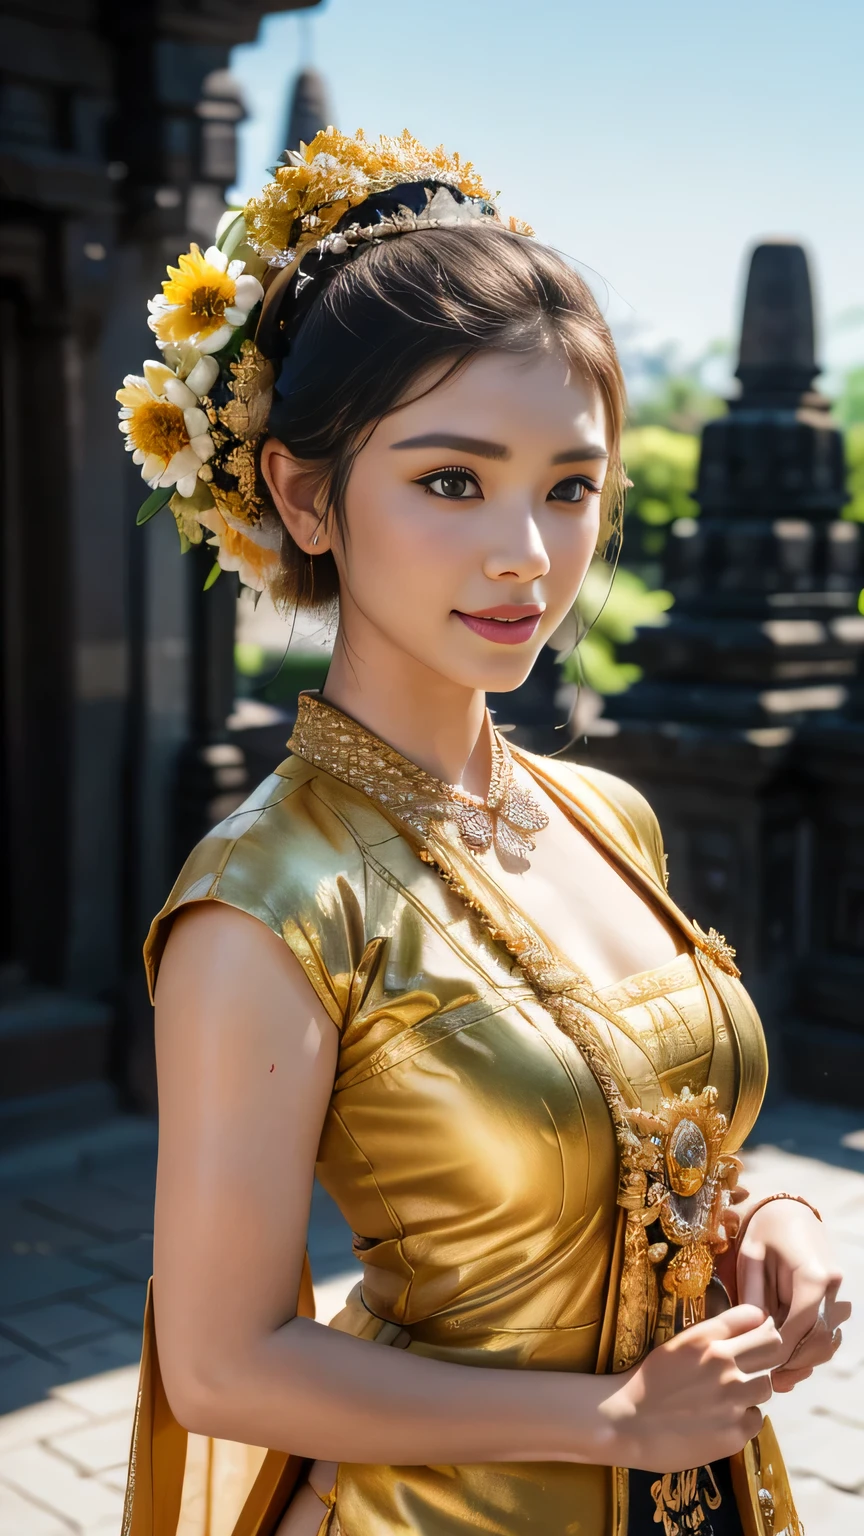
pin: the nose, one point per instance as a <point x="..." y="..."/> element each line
<point x="518" y="549"/>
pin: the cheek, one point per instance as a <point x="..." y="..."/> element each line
<point x="570" y="544"/>
<point x="395" y="535"/>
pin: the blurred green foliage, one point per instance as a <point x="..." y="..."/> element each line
<point x="849" y="406"/>
<point x="662" y="465"/>
<point x="681" y="402"/>
<point x="277" y="679"/>
<point x="629" y="604"/>
<point x="855" y="472"/>
<point x="849" y="410"/>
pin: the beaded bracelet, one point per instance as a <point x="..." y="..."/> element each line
<point x="781" y="1195"/>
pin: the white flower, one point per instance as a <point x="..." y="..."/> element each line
<point x="166" y="430"/>
<point x="251" y="551"/>
<point x="203" y="301"/>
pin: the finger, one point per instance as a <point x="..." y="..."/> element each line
<point x="834" y="1283"/>
<point x="752" y="1422"/>
<point x="731" y="1324"/>
<point x="823" y="1340"/>
<point x="762" y="1349"/>
<point x="751" y="1281"/>
<point x="752" y="1391"/>
<point x="808" y="1293"/>
<point x="784" y="1380"/>
<point x="839" y="1312"/>
<point x="814" y="1350"/>
<point x="827" y="1351"/>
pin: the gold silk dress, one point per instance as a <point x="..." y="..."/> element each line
<point x="468" y="1140"/>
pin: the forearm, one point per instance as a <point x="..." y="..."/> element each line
<point x="324" y="1395"/>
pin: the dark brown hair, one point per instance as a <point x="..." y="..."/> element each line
<point x="400" y="308"/>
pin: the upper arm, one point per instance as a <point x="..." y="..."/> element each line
<point x="246" y="1057"/>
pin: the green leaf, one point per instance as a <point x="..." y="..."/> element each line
<point x="154" y="503"/>
<point x="215" y="570"/>
<point x="231" y="349"/>
<point x="233" y="232"/>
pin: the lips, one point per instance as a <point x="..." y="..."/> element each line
<point x="508" y="624"/>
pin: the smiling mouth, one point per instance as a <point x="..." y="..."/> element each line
<point x="509" y="624"/>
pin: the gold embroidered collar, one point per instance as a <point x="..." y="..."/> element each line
<point x="506" y="818"/>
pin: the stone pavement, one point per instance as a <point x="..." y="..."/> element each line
<point x="75" y="1251"/>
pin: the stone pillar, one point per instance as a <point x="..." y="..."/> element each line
<point x="826" y="1027"/>
<point x="308" y="108"/>
<point x="761" y="648"/>
<point x="116" y="147"/>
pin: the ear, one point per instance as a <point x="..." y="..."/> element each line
<point x="295" y="486"/>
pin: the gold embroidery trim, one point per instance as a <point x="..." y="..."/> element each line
<point x="507" y="817"/>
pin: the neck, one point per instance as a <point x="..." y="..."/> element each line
<point x="436" y="723"/>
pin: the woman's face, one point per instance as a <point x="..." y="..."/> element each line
<point x="472" y="515"/>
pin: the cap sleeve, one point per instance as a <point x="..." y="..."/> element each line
<point x="288" y="860"/>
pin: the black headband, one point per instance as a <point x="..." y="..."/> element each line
<point x="280" y="324"/>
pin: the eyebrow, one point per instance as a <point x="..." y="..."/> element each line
<point x="476" y="445"/>
<point x="580" y="455"/>
<point x="486" y="450"/>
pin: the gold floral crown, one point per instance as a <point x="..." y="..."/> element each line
<point x="193" y="421"/>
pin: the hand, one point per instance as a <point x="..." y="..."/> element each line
<point x="785" y="1266"/>
<point x="696" y="1399"/>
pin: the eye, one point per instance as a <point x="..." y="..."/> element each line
<point x="454" y="484"/>
<point x="575" y="489"/>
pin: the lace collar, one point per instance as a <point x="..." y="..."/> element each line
<point x="506" y="818"/>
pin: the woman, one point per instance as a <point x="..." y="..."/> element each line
<point x="443" y="974"/>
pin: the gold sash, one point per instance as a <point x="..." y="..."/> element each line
<point x="190" y="1485"/>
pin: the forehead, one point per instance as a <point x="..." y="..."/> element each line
<point x="532" y="399"/>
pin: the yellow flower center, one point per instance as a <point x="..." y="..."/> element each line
<point x="159" y="428"/>
<point x="200" y="294"/>
<point x="208" y="304"/>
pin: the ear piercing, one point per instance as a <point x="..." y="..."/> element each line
<point x="315" y="539"/>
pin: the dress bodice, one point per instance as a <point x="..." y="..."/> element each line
<point x="467" y="1142"/>
<point x="668" y="1037"/>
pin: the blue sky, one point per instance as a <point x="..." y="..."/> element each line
<point x="653" y="143"/>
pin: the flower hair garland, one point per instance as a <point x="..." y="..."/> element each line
<point x="193" y="421"/>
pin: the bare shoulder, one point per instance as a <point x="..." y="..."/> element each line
<point x="223" y="945"/>
<point x="227" y="982"/>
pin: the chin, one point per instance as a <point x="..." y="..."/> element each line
<point x="493" y="675"/>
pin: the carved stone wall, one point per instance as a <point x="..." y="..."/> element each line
<point x="117" y="127"/>
<point x="743" y="729"/>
